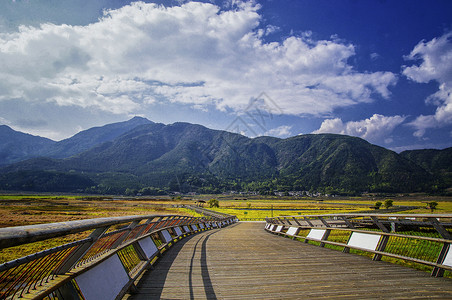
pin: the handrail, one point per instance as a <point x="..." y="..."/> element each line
<point x="62" y="270"/>
<point x="14" y="236"/>
<point x="384" y="222"/>
<point x="420" y="238"/>
<point x="208" y="212"/>
<point x="375" y="215"/>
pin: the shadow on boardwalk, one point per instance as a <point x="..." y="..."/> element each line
<point x="243" y="261"/>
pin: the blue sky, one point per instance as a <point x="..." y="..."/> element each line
<point x="380" y="70"/>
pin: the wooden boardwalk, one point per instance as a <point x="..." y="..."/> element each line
<point x="243" y="261"/>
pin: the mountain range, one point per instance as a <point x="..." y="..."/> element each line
<point x="142" y="156"/>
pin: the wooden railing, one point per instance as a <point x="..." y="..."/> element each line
<point x="101" y="266"/>
<point x="421" y="239"/>
<point x="207" y="212"/>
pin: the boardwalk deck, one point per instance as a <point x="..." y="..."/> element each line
<point x="243" y="261"/>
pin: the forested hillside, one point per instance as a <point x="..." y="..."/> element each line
<point x="153" y="158"/>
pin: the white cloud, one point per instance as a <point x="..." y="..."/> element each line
<point x="194" y="54"/>
<point x="374" y="129"/>
<point x="271" y="29"/>
<point x="4" y="121"/>
<point x="281" y="131"/>
<point x="436" y="64"/>
<point x="331" y="126"/>
<point x="374" y="56"/>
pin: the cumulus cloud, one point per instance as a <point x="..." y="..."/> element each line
<point x="374" y="129"/>
<point x="195" y="54"/>
<point x="435" y="58"/>
<point x="281" y="131"/>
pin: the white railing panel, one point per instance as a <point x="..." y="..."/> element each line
<point x="364" y="240"/>
<point x="316" y="234"/>
<point x="448" y="259"/>
<point x="148" y="246"/>
<point x="166" y="236"/>
<point x="104" y="281"/>
<point x="292" y="231"/>
<point x="178" y="231"/>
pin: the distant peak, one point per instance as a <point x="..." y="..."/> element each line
<point x="6" y="128"/>
<point x="140" y="119"/>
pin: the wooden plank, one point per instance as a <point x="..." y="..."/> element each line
<point x="244" y="261"/>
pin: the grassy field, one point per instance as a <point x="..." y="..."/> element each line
<point x="251" y="208"/>
<point x="28" y="210"/>
<point x="17" y="210"/>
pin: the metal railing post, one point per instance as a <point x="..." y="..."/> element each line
<point x="379" y="224"/>
<point x="384" y="238"/>
<point x="125" y="235"/>
<point x="324" y="222"/>
<point x="287" y="220"/>
<point x="438" y="272"/>
<point x="441" y="230"/>
<point x="296" y="221"/>
<point x="144" y="227"/>
<point x="155" y="224"/>
<point x="82" y="250"/>
<point x="309" y="222"/>
<point x="325" y="237"/>
<point x="347" y="221"/>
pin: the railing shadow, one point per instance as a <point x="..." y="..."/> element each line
<point x="207" y="283"/>
<point x="152" y="283"/>
<point x="160" y="270"/>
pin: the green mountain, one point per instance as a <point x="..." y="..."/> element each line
<point x="16" y="146"/>
<point x="187" y="157"/>
<point x="92" y="137"/>
<point x="436" y="162"/>
<point x="344" y="162"/>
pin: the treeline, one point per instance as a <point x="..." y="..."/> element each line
<point x="210" y="184"/>
<point x="44" y="181"/>
<point x="126" y="184"/>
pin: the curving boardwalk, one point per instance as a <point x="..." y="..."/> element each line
<point x="243" y="261"/>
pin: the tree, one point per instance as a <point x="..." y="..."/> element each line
<point x="388" y="203"/>
<point x="378" y="204"/>
<point x="213" y="203"/>
<point x="130" y="192"/>
<point x="432" y="205"/>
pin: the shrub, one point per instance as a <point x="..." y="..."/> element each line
<point x="388" y="203"/>
<point x="213" y="203"/>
